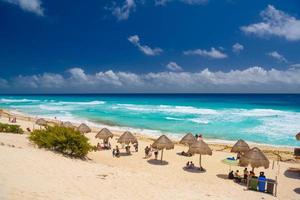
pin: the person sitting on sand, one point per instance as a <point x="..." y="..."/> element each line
<point x="128" y="149"/>
<point x="237" y="176"/>
<point x="98" y="146"/>
<point x="192" y="165"/>
<point x="114" y="153"/>
<point x="147" y="150"/>
<point x="117" y="151"/>
<point x="156" y="154"/>
<point x="246" y="173"/>
<point x="187" y="164"/>
<point x="230" y="175"/>
<point x="136" y="146"/>
<point x="252" y="174"/>
<point x="28" y="129"/>
<point x="200" y="137"/>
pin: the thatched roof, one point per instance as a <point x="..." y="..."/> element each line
<point x="68" y="124"/>
<point x="163" y="142"/>
<point x="200" y="147"/>
<point x="104" y="134"/>
<point x="256" y="158"/>
<point x="240" y="146"/>
<point x="298" y="136"/>
<point x="188" y="139"/>
<point x="41" y="122"/>
<point x="127" y="138"/>
<point x="83" y="128"/>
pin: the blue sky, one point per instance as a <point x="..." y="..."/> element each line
<point x="149" y="46"/>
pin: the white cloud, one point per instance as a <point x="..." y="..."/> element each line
<point x="254" y="79"/>
<point x="275" y="23"/>
<point x="212" y="53"/>
<point x="173" y="66"/>
<point x="295" y="65"/>
<point x="190" y="2"/>
<point x="135" y="40"/>
<point x="277" y="56"/>
<point x="34" y="6"/>
<point x="123" y="12"/>
<point x="237" y="48"/>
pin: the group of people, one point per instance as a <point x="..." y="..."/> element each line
<point x="12" y="120"/>
<point x="190" y="165"/>
<point x="149" y="150"/>
<point x="246" y="175"/>
<point x="105" y="145"/>
<point x="116" y="151"/>
<point x="199" y="137"/>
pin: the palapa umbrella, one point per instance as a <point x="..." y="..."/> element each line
<point x="298" y="136"/>
<point x="163" y="142"/>
<point x="201" y="148"/>
<point x="83" y="128"/>
<point x="188" y="139"/>
<point x="127" y="138"/>
<point x="68" y="125"/>
<point x="240" y="147"/>
<point x="41" y="122"/>
<point x="256" y="158"/>
<point x="104" y="134"/>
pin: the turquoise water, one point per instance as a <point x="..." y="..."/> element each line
<point x="267" y="119"/>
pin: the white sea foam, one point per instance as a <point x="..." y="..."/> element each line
<point x="82" y="103"/>
<point x="17" y="100"/>
<point x="199" y="121"/>
<point x="167" y="109"/>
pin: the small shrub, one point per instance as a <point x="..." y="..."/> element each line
<point x="7" y="128"/>
<point x="62" y="139"/>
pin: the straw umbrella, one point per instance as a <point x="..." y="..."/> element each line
<point x="256" y="158"/>
<point x="83" y="128"/>
<point x="127" y="138"/>
<point x="240" y="147"/>
<point x="104" y="134"/>
<point x="298" y="136"/>
<point x="68" y="125"/>
<point x="163" y="142"/>
<point x="188" y="139"/>
<point x="201" y="148"/>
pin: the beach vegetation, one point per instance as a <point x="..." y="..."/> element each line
<point x="8" y="128"/>
<point x="67" y="141"/>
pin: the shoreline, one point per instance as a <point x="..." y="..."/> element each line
<point x="273" y="152"/>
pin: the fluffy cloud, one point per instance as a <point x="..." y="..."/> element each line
<point x="237" y="48"/>
<point x="212" y="53"/>
<point x="135" y="40"/>
<point x="190" y="2"/>
<point x="275" y="23"/>
<point x="123" y="12"/>
<point x="253" y="79"/>
<point x="173" y="66"/>
<point x="277" y="56"/>
<point x="34" y="6"/>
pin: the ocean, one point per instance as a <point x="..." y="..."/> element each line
<point x="272" y="119"/>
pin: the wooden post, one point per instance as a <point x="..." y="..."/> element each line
<point x="200" y="161"/>
<point x="162" y="153"/>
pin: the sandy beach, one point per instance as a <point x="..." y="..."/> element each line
<point x="27" y="172"/>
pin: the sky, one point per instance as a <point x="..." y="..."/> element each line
<point x="149" y="46"/>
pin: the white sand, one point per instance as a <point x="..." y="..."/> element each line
<point x="30" y="173"/>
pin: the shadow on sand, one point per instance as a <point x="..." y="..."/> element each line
<point x="194" y="170"/>
<point x="125" y="154"/>
<point x="180" y="154"/>
<point x="297" y="190"/>
<point x="222" y="176"/>
<point x="157" y="162"/>
<point x="292" y="173"/>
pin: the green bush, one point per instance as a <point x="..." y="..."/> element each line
<point x="62" y="139"/>
<point x="7" y="128"/>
